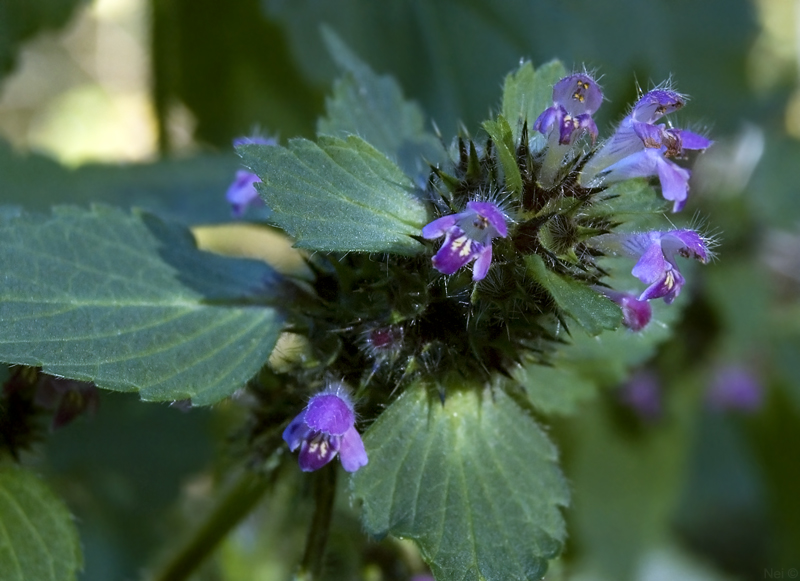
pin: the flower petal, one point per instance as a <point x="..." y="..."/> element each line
<point x="455" y="253"/>
<point x="439" y="227"/>
<point x="493" y="214"/>
<point x="318" y="451"/>
<point x="674" y="183"/>
<point x="242" y="192"/>
<point x="352" y="452"/>
<point x="329" y="413"/>
<point x="296" y="431"/>
<point x="482" y="263"/>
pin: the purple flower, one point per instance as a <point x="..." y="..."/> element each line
<point x="640" y="148"/>
<point x="735" y="387"/>
<point x="242" y="192"/>
<point x="636" y="314"/>
<point x="642" y="393"/>
<point x="575" y="98"/>
<point x="657" y="267"/>
<point x="468" y="236"/>
<point x="326" y="427"/>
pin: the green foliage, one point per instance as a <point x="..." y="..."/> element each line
<point x="373" y="108"/>
<point x="127" y="301"/>
<point x="22" y="19"/>
<point x="38" y="539"/>
<point x="588" y="308"/>
<point x="527" y="93"/>
<point x="504" y="141"/>
<point x="474" y="481"/>
<point x="231" y="68"/>
<point x="191" y="190"/>
<point x="554" y="390"/>
<point x="338" y="195"/>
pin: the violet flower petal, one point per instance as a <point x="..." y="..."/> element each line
<point x="351" y="451"/>
<point x="318" y="451"/>
<point x="329" y="413"/>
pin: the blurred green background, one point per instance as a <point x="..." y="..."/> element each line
<point x="135" y="103"/>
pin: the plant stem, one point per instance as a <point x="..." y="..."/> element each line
<point x="237" y="502"/>
<point x="325" y="494"/>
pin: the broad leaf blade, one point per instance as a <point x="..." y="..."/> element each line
<point x="128" y="302"/>
<point x="338" y="195"/>
<point x="588" y="308"/>
<point x="473" y="481"/>
<point x="527" y="93"/>
<point x="373" y="108"/>
<point x="38" y="539"/>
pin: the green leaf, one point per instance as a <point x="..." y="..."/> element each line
<point x="130" y="303"/>
<point x="554" y="390"/>
<point x="590" y="310"/>
<point x="474" y="482"/>
<point x="634" y="203"/>
<point x="500" y="133"/>
<point x="373" y="108"/>
<point x="527" y="93"/>
<point x="191" y="190"/>
<point x="38" y="539"/>
<point x="338" y="195"/>
<point x="606" y="360"/>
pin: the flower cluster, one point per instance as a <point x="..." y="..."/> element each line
<point x="640" y="147"/>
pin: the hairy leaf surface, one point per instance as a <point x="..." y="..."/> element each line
<point x="38" y="539"/>
<point x="373" y="107"/>
<point x="338" y="195"/>
<point x="129" y="302"/>
<point x="474" y="482"/>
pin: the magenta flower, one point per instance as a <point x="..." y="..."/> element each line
<point x="242" y="192"/>
<point x="642" y="393"/>
<point x="640" y="148"/>
<point x="468" y="236"/>
<point x="575" y="98"/>
<point x="636" y="314"/>
<point x="325" y="428"/>
<point x="735" y="387"/>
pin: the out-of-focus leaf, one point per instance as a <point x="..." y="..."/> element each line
<point x="554" y="390"/>
<point x="591" y="310"/>
<point x="128" y="302"/>
<point x="22" y="19"/>
<point x="626" y="482"/>
<point x="457" y="480"/>
<point x="451" y="55"/>
<point x="338" y="195"/>
<point x="231" y="68"/>
<point x="373" y="108"/>
<point x="38" y="539"/>
<point x="191" y="190"/>
<point x="527" y="93"/>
